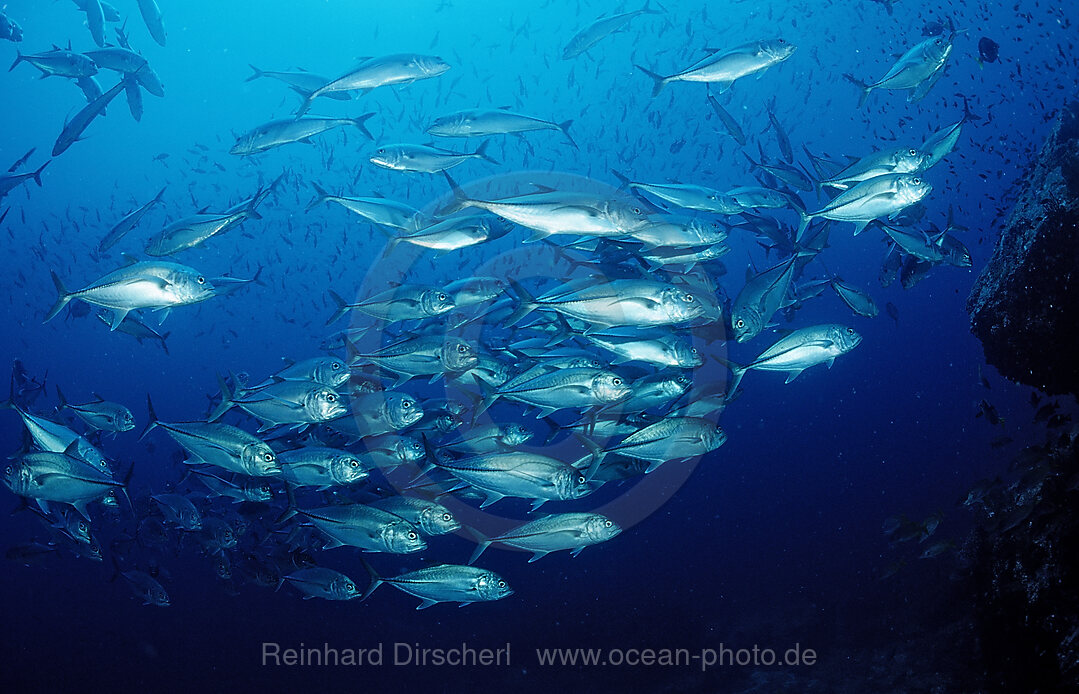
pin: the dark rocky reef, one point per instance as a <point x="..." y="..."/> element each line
<point x="1024" y="307"/>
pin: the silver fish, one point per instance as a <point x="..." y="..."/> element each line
<point x="445" y="583"/>
<point x="722" y="67"/>
<point x="562" y="531"/>
<point x="802" y="349"/>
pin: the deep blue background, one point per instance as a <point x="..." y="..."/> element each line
<point x="774" y="539"/>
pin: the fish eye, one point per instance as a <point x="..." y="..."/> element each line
<point x="411" y="535"/>
<point x="693" y="350"/>
<point x="617" y="381"/>
<point x="501" y="584"/>
<point x="441" y="297"/>
<point x="381" y="150"/>
<point x="354" y="463"/>
<point x="913" y="152"/>
<point x="581" y="479"/>
<point x="268" y="457"/>
<point x="917" y="181"/>
<point x="406" y="404"/>
<point x="608" y="524"/>
<point x="739" y="323"/>
<point x="82" y="527"/>
<point x="447" y="517"/>
<point x="462" y="348"/>
<point x="636" y="210"/>
<point x="350" y="587"/>
<point x="689" y="298"/>
<point x="335" y="366"/>
<point x="782" y="41"/>
<point x="200" y="279"/>
<point x="850" y="331"/>
<point x="330" y="397"/>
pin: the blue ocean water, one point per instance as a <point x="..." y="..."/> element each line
<point x="773" y="540"/>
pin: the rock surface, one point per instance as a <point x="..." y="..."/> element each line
<point x="1024" y="307"/>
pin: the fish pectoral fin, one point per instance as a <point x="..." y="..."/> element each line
<point x="492" y="497"/>
<point x="791" y="375"/>
<point x="427" y="602"/>
<point x="116" y="318"/>
<point x="574" y="552"/>
<point x="652" y="465"/>
<point x="536" y="503"/>
<point x="536" y="556"/>
<point x="830" y="362"/>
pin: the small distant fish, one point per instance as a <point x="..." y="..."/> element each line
<point x="987" y="410"/>
<point x="988" y="50"/>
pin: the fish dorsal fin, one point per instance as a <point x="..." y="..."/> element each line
<point x="129" y="259"/>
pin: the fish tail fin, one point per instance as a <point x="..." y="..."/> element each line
<point x="255" y="73"/>
<point x="482" y="543"/>
<point x="37" y="174"/>
<point x="61" y="398"/>
<point x="647" y="9"/>
<point x="226" y="400"/>
<point x="163" y="345"/>
<point x="866" y="89"/>
<point x="321" y="196"/>
<point x="152" y="417"/>
<point x="460" y="198"/>
<point x="737" y="372"/>
<point x="595" y="452"/>
<point x="305" y="105"/>
<point x="623" y="180"/>
<point x="489" y="394"/>
<point x="159" y="197"/>
<point x="290" y="509"/>
<point x="359" y="123"/>
<point x="376" y="580"/>
<point x="564" y="127"/>
<point x="18" y="59"/>
<point x="527" y="303"/>
<point x="342" y="307"/>
<point x="659" y="81"/>
<point x="62" y="298"/>
<point x="481" y="152"/>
